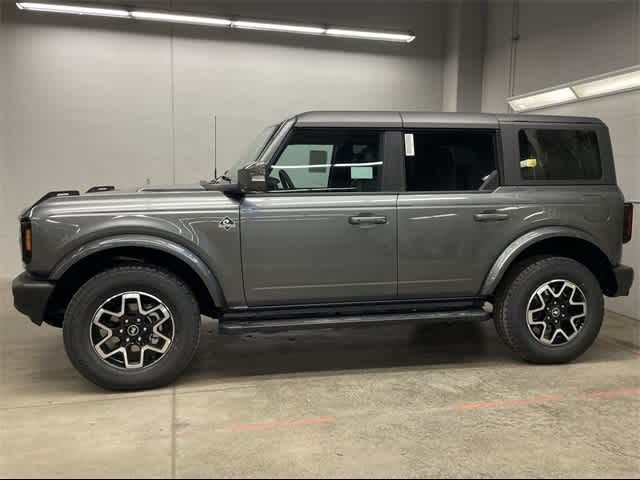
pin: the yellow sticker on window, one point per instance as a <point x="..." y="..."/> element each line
<point x="529" y="163"/>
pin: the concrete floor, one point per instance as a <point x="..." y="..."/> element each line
<point x="388" y="402"/>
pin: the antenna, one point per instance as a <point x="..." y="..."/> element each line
<point x="215" y="148"/>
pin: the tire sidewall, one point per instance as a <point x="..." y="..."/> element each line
<point x="527" y="283"/>
<point x="79" y="317"/>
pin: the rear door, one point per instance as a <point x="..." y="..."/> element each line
<point x="325" y="231"/>
<point x="453" y="218"/>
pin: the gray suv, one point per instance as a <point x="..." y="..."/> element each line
<point x="340" y="219"/>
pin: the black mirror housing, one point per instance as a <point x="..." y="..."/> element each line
<point x="252" y="179"/>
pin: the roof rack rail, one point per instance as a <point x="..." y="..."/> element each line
<point x="101" y="188"/>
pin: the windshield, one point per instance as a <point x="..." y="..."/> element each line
<point x="251" y="154"/>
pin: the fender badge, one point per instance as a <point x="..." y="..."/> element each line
<point x="227" y="224"/>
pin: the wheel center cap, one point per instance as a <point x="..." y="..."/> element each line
<point x="133" y="330"/>
<point x="555" y="312"/>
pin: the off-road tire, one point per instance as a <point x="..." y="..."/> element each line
<point x="167" y="287"/>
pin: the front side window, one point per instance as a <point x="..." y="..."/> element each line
<point x="556" y="154"/>
<point x="328" y="159"/>
<point x="441" y="160"/>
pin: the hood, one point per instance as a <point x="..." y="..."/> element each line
<point x="109" y="190"/>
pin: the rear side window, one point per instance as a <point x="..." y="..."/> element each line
<point x="555" y="154"/>
<point x="441" y="160"/>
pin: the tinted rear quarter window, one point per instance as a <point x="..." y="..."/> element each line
<point x="557" y="154"/>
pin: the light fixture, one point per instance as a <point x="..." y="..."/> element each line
<point x="610" y="84"/>
<point x="77" y="10"/>
<point x="392" y="37"/>
<point x="178" y="18"/>
<point x="544" y="99"/>
<point x="216" y="22"/>
<point x="279" y="27"/>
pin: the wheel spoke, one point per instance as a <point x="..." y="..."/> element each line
<point x="129" y="325"/>
<point x="556" y="320"/>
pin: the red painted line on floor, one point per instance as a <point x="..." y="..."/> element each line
<point x="252" y="427"/>
<point x="623" y="392"/>
<point x="503" y="403"/>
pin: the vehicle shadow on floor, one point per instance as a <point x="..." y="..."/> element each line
<point x="312" y="352"/>
<point x="325" y="351"/>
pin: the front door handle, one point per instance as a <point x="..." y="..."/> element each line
<point x="367" y="220"/>
<point x="490" y="217"/>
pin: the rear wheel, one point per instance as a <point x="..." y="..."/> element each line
<point x="549" y="309"/>
<point x="132" y="327"/>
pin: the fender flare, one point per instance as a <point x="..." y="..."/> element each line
<point x="164" y="245"/>
<point x="515" y="248"/>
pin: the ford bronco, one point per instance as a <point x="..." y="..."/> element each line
<point x="340" y="219"/>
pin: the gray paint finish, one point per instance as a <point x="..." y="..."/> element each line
<point x="185" y="224"/>
<point x="443" y="251"/>
<point x="300" y="249"/>
<point x="297" y="248"/>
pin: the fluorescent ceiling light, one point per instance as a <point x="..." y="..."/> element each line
<point x="216" y="22"/>
<point x="177" y="18"/>
<point x="614" y="83"/>
<point x="279" y="27"/>
<point x="54" y="8"/>
<point x="393" y="37"/>
<point x="545" y="99"/>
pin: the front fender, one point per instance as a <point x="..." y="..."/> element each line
<point x="515" y="248"/>
<point x="144" y="241"/>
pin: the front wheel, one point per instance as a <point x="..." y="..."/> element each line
<point x="549" y="309"/>
<point x="131" y="328"/>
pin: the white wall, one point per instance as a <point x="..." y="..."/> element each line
<point x="6" y="235"/>
<point x="463" y="56"/>
<point x="565" y="41"/>
<point x="559" y="41"/>
<point x="106" y="101"/>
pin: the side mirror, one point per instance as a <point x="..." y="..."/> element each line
<point x="252" y="179"/>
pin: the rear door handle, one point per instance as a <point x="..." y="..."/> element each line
<point x="490" y="217"/>
<point x="367" y="220"/>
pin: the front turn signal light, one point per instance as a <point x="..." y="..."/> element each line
<point x="26" y="240"/>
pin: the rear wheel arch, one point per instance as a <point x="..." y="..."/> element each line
<point x="70" y="276"/>
<point x="574" y="245"/>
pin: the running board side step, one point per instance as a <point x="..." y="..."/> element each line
<point x="282" y="325"/>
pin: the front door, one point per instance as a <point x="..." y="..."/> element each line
<point x="325" y="232"/>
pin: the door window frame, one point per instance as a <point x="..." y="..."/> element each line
<point x="390" y="151"/>
<point x="497" y="150"/>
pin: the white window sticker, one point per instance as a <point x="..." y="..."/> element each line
<point x="361" y="173"/>
<point x="409" y="148"/>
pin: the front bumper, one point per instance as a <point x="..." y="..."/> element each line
<point x="624" y="279"/>
<point x="31" y="296"/>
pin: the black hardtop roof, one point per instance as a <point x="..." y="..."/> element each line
<point x="410" y="119"/>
